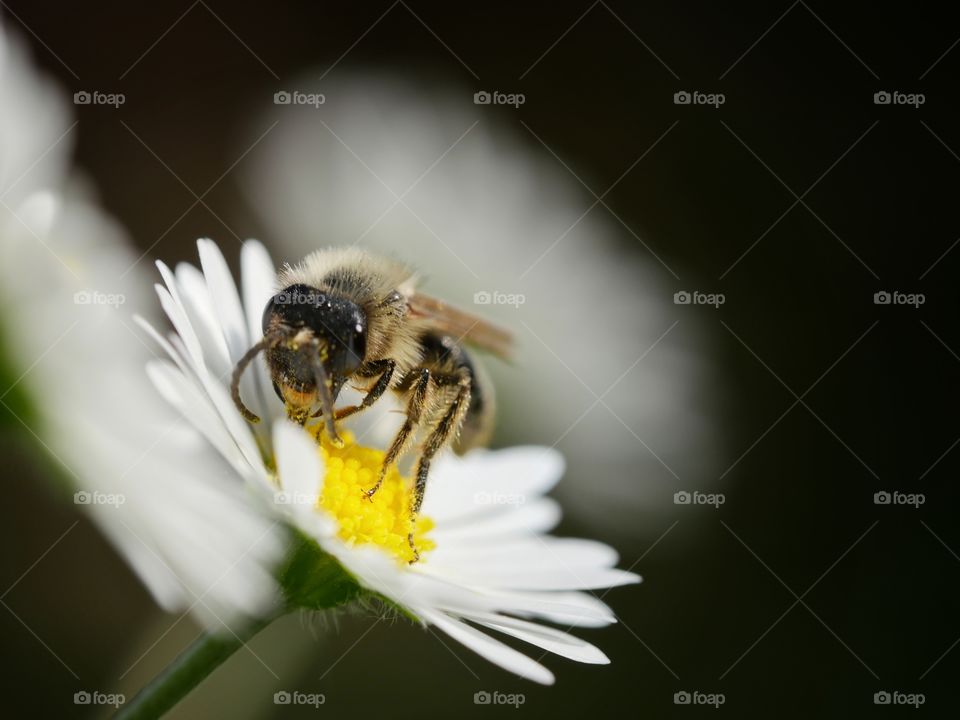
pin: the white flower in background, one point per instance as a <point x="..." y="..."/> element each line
<point x="485" y="559"/>
<point x="69" y="282"/>
<point x="494" y="219"/>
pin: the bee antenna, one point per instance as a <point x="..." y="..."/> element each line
<point x="326" y="398"/>
<point x="266" y="342"/>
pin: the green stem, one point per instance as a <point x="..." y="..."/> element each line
<point x="311" y="579"/>
<point x="187" y="671"/>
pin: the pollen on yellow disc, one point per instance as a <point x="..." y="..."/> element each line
<point x="383" y="519"/>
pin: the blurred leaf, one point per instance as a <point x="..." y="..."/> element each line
<point x="14" y="401"/>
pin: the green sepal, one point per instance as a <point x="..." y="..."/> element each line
<point x="314" y="579"/>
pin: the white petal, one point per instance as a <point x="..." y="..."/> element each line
<point x="176" y="355"/>
<point x="533" y="552"/>
<point x="300" y="471"/>
<point x="239" y="428"/>
<point x="578" y="609"/>
<point x="298" y="462"/>
<point x="533" y="563"/>
<point x="517" y="474"/>
<point x="200" y="309"/>
<point x="547" y="638"/>
<point x="216" y="395"/>
<point x="547" y="579"/>
<point x="505" y="522"/>
<point x="184" y="396"/>
<point x="259" y="278"/>
<point x="173" y="307"/>
<point x="488" y="647"/>
<point x="227" y="306"/>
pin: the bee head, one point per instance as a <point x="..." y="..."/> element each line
<point x="314" y="341"/>
<point x="336" y="328"/>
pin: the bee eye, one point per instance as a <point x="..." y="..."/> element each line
<point x="268" y="313"/>
<point x="355" y="344"/>
<point x="295" y="305"/>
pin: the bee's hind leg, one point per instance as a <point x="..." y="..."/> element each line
<point x="418" y="395"/>
<point x="441" y="435"/>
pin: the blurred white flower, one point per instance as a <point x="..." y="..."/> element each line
<point x="484" y="555"/>
<point x="499" y="227"/>
<point x="69" y="283"/>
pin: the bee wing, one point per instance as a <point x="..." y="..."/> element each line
<point x="464" y="326"/>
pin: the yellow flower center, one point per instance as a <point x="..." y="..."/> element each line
<point x="383" y="519"/>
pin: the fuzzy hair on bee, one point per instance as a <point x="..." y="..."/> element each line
<point x="343" y="315"/>
<point x="369" y="281"/>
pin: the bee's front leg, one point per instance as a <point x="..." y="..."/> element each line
<point x="383" y="368"/>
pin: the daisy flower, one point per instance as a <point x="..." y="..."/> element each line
<point x="485" y="560"/>
<point x="69" y="281"/>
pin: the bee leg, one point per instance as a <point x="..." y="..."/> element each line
<point x="418" y="399"/>
<point x="385" y="369"/>
<point x="442" y="434"/>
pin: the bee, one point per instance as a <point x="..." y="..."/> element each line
<point x="343" y="315"/>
